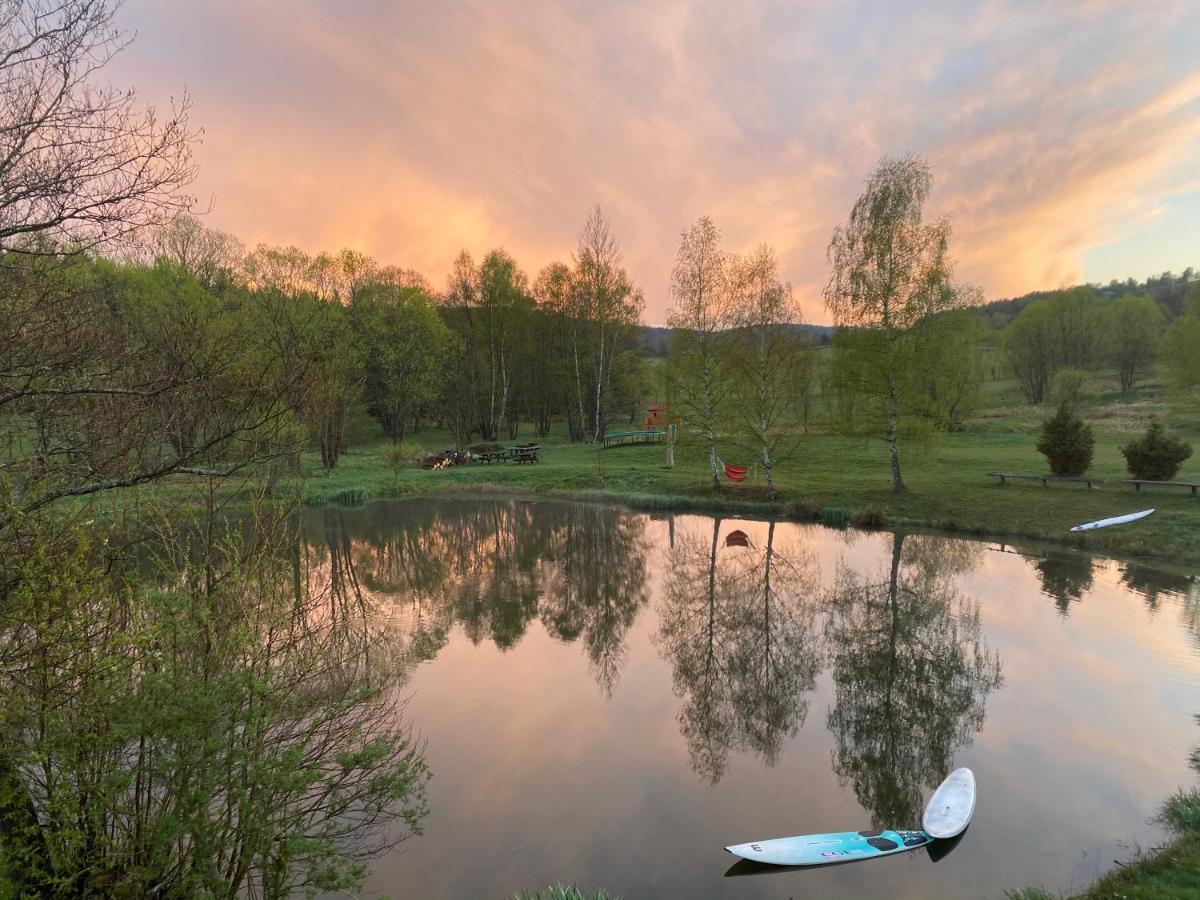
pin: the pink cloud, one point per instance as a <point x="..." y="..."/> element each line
<point x="412" y="131"/>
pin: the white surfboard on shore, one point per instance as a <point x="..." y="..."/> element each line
<point x="1115" y="520"/>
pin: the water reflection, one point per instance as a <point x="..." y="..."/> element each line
<point x="1066" y="577"/>
<point x="1154" y="583"/>
<point x="595" y="584"/>
<point x="736" y="624"/>
<point x="912" y="675"/>
<point x="689" y="682"/>
<point x="491" y="567"/>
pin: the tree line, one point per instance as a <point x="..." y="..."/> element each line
<point x="1055" y="339"/>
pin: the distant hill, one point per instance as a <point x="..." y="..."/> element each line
<point x="655" y="338"/>
<point x="1168" y="289"/>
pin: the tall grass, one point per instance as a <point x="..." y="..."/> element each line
<point x="1181" y="812"/>
<point x="564" y="892"/>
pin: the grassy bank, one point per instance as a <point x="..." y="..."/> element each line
<point x="834" y="478"/>
<point x="1165" y="874"/>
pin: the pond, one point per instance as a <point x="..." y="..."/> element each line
<point x="609" y="698"/>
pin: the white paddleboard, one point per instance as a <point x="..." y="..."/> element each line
<point x="951" y="806"/>
<point x="1115" y="520"/>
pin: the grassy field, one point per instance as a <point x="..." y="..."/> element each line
<point x="835" y="478"/>
<point x="839" y="478"/>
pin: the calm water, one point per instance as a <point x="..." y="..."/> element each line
<point x="609" y="698"/>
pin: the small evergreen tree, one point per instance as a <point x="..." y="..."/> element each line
<point x="1066" y="442"/>
<point x="1156" y="455"/>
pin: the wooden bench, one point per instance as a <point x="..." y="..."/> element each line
<point x="529" y="453"/>
<point x="1138" y="482"/>
<point x="633" y="437"/>
<point x="491" y="456"/>
<point x="1044" y="479"/>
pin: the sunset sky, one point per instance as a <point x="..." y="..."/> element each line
<point x="1064" y="137"/>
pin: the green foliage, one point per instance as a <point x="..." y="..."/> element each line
<point x="1134" y="327"/>
<point x="950" y="368"/>
<point x="1181" y="359"/>
<point x="1064" y="330"/>
<point x="1067" y="443"/>
<point x="1069" y="386"/>
<point x="405" y="345"/>
<point x="361" y="428"/>
<point x="835" y="516"/>
<point x="1030" y="353"/>
<point x="891" y="275"/>
<point x="1156" y="455"/>
<point x="1181" y="812"/>
<point x="872" y="518"/>
<point x="212" y="735"/>
<point x="867" y="370"/>
<point x="406" y="453"/>
<point x="564" y="892"/>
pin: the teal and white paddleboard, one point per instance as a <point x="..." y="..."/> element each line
<point x="824" y="849"/>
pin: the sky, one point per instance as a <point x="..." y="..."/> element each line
<point x="1064" y="137"/>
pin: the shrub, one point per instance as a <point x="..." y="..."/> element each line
<point x="1156" y="455"/>
<point x="563" y="892"/>
<point x="834" y="516"/>
<point x="406" y="453"/>
<point x="1066" y="442"/>
<point x="869" y="519"/>
<point x="1181" y="812"/>
<point x="485" y="448"/>
<point x="1069" y="386"/>
<point x="361" y="428"/>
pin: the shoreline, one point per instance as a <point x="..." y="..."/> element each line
<point x="799" y="512"/>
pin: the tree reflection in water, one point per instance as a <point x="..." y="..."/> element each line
<point x="1066" y="577"/>
<point x="737" y="627"/>
<point x="492" y="567"/>
<point x="595" y="584"/>
<point x="1152" y="582"/>
<point x="911" y="675"/>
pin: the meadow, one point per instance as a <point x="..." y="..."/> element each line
<point x="838" y="479"/>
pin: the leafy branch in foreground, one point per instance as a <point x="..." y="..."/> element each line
<point x="205" y="725"/>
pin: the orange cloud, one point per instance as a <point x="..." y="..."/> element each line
<point x="411" y="132"/>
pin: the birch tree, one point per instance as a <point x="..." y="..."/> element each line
<point x="502" y="301"/>
<point x="891" y="270"/>
<point x="702" y="310"/>
<point x="766" y="350"/>
<point x="605" y="303"/>
<point x="459" y="302"/>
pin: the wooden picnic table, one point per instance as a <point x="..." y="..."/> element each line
<point x="524" y="453"/>
<point x="1005" y="476"/>
<point x="1138" y="482"/>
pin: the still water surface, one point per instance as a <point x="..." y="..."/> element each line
<point x="609" y="698"/>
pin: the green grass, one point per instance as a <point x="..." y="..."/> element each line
<point x="948" y="486"/>
<point x="832" y="478"/>
<point x="563" y="892"/>
<point x="1165" y="874"/>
